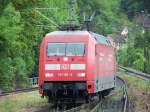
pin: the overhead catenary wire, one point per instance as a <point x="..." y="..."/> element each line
<point x="50" y="20"/>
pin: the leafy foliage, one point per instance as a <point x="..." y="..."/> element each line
<point x="9" y="44"/>
<point x="20" y="37"/>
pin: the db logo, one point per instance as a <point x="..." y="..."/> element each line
<point x="64" y="66"/>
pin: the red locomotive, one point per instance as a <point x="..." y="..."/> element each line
<point x="75" y="65"/>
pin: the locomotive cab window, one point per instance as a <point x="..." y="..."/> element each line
<point x="75" y="49"/>
<point x="56" y="49"/>
<point x="66" y="49"/>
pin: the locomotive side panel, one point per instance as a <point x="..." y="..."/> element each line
<point x="105" y="68"/>
<point x="90" y="65"/>
<point x="41" y="65"/>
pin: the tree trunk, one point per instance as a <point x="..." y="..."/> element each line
<point x="146" y="59"/>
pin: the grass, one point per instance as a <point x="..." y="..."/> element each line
<point x="138" y="83"/>
<point x="138" y="92"/>
<point x="21" y="102"/>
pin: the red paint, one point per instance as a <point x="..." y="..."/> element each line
<point x="95" y="66"/>
<point x="105" y="61"/>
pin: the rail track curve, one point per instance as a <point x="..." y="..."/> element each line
<point x="136" y="73"/>
<point x="97" y="107"/>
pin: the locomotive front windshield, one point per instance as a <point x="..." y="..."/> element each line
<point x="66" y="49"/>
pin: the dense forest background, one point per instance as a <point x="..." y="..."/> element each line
<point x="21" y="31"/>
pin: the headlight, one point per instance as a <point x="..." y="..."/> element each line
<point x="49" y="75"/>
<point x="65" y="59"/>
<point x="81" y="75"/>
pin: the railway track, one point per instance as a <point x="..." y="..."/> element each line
<point x="103" y="105"/>
<point x="18" y="91"/>
<point x="141" y="75"/>
<point x="125" y="94"/>
<point x="119" y="105"/>
<point x="32" y="83"/>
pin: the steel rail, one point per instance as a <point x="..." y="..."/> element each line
<point x="32" y="85"/>
<point x="75" y="109"/>
<point x="98" y="104"/>
<point x="125" y="95"/>
<point x="125" y="98"/>
<point x="141" y="75"/>
<point x="96" y="108"/>
<point x="18" y="91"/>
<point x="82" y="106"/>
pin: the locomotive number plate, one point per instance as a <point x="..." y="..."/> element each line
<point x="64" y="66"/>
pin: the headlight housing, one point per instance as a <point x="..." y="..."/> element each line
<point x="80" y="74"/>
<point x="49" y="75"/>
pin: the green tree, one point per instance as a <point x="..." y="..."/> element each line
<point x="143" y="41"/>
<point x="9" y="44"/>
